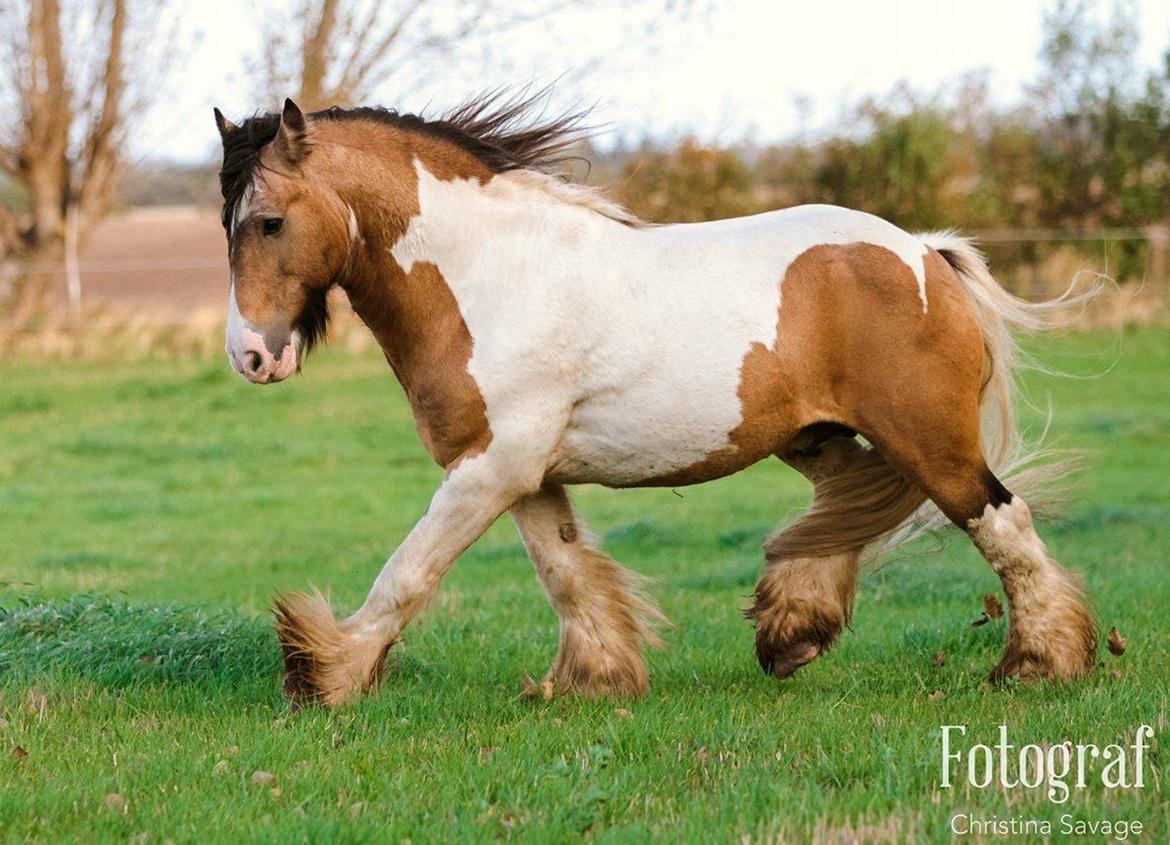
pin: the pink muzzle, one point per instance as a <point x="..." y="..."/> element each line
<point x="252" y="359"/>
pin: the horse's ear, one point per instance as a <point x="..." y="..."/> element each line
<point x="292" y="142"/>
<point x="223" y="124"/>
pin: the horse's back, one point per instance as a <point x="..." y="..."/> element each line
<point x="791" y="231"/>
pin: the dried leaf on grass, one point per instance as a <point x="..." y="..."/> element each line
<point x="1115" y="642"/>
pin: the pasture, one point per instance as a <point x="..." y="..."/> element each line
<point x="149" y="511"/>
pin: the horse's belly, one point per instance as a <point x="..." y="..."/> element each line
<point x="646" y="436"/>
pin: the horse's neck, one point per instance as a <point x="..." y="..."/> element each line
<point x="512" y="214"/>
<point x="407" y="283"/>
<point x="472" y="231"/>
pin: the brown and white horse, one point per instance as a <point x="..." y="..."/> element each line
<point x="544" y="337"/>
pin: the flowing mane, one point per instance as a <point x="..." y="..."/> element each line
<point x="506" y="132"/>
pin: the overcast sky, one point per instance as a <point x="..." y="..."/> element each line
<point x="732" y="69"/>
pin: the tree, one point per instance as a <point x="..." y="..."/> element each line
<point x="67" y="79"/>
<point x="1087" y="83"/>
<point x="338" y="52"/>
<point x="335" y="52"/>
<point x="687" y="184"/>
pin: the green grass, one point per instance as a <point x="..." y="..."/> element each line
<point x="149" y="511"/>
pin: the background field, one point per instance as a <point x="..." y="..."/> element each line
<point x="149" y="511"/>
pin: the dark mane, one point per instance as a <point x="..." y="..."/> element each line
<point x="504" y="131"/>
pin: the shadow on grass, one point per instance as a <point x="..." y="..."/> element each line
<point x="111" y="643"/>
<point x="208" y="656"/>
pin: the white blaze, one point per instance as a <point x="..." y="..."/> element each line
<point x="243" y="208"/>
<point x="235" y="321"/>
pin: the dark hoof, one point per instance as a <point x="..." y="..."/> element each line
<point x="1030" y="668"/>
<point x="784" y="660"/>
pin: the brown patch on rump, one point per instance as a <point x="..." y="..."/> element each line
<point x="854" y="347"/>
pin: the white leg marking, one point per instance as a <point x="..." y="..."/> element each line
<point x="1050" y="633"/>
<point x="471" y="498"/>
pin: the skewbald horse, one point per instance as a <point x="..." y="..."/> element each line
<point x="544" y="337"/>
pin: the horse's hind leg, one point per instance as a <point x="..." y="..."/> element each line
<point x="804" y="599"/>
<point x="1050" y="631"/>
<point x="603" y="618"/>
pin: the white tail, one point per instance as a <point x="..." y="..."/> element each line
<point x="1001" y="316"/>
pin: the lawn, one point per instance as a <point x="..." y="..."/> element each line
<point x="149" y="511"/>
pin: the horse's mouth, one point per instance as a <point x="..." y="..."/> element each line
<point x="260" y="368"/>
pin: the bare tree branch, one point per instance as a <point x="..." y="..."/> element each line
<point x="361" y="64"/>
<point x="351" y="47"/>
<point x="315" y="52"/>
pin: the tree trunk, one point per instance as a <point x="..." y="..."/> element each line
<point x="46" y="187"/>
<point x="315" y="58"/>
<point x="44" y="151"/>
<point x="101" y="166"/>
<point x="72" y="268"/>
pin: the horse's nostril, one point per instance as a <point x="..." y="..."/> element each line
<point x="252" y="361"/>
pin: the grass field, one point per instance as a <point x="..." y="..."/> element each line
<point x="148" y="513"/>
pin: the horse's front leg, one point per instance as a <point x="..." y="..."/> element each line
<point x="331" y="662"/>
<point x="604" y="619"/>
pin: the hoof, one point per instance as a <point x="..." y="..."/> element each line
<point x="801" y="607"/>
<point x="591" y="687"/>
<point x="1066" y="651"/>
<point x="628" y="680"/>
<point x="543" y="691"/>
<point x="784" y="661"/>
<point x="791" y="635"/>
<point x="1034" y="667"/>
<point x="323" y="664"/>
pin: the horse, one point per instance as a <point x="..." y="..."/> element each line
<point x="545" y="337"/>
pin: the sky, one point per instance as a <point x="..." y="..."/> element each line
<point x="764" y="70"/>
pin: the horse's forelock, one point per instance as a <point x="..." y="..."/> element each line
<point x="241" y="159"/>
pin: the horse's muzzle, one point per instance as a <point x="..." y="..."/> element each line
<point x="252" y="359"/>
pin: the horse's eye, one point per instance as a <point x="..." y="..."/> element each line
<point x="273" y="225"/>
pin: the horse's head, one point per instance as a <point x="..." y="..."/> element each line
<point x="288" y="233"/>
